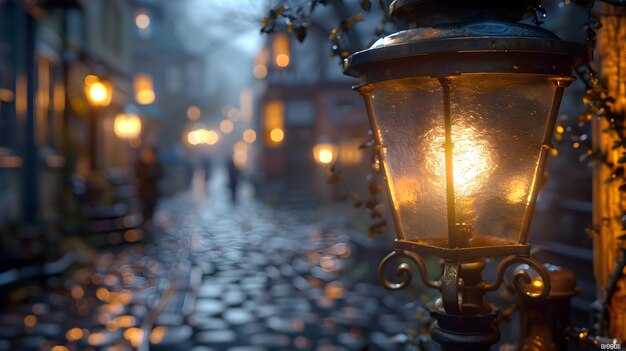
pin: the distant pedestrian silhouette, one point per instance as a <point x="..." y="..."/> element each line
<point x="233" y="179"/>
<point x="148" y="172"/>
<point x="208" y="167"/>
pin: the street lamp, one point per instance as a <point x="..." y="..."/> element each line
<point x="99" y="94"/>
<point x="463" y="105"/>
<point x="127" y="126"/>
<point x="324" y="153"/>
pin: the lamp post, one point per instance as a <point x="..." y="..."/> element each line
<point x="463" y="105"/>
<point x="99" y="93"/>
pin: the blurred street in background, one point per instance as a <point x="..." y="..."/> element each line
<point x="171" y="179"/>
<point x="245" y="278"/>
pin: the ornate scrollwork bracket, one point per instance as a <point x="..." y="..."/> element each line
<point x="452" y="282"/>
<point x="522" y="278"/>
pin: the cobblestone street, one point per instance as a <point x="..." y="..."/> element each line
<point x="214" y="277"/>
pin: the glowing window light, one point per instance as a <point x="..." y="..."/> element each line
<point x="98" y="92"/>
<point x="277" y="135"/>
<point x="144" y="89"/>
<point x="274" y="120"/>
<point x="324" y="153"/>
<point x="281" y="50"/>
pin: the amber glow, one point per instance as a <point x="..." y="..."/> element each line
<point x="349" y="153"/>
<point x="157" y="335"/>
<point x="193" y="113"/>
<point x="203" y="136"/>
<point x="274" y="121"/>
<point x="282" y="60"/>
<point x="249" y="136"/>
<point x="277" y="135"/>
<point x="410" y="188"/>
<point x="517" y="190"/>
<point x="144" y="89"/>
<point x="324" y="153"/>
<point x="226" y="126"/>
<point x="472" y="160"/>
<point x="127" y="126"/>
<point x="30" y="320"/>
<point x="6" y="95"/>
<point x="134" y="336"/>
<point x="281" y="50"/>
<point x="260" y="64"/>
<point x="212" y="137"/>
<point x="103" y="294"/>
<point x="96" y="338"/>
<point x="98" y="92"/>
<point x="74" y="334"/>
<point x="259" y="71"/>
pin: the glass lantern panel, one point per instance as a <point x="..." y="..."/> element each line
<point x="498" y="121"/>
<point x="403" y="112"/>
<point x="498" y="124"/>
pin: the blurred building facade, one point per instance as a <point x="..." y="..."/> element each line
<point x="304" y="100"/>
<point x="178" y="80"/>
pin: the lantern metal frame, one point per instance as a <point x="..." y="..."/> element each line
<point x="447" y="39"/>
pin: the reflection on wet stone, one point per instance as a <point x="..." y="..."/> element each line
<point x="203" y="286"/>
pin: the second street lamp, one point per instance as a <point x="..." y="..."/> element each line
<point x="463" y="105"/>
<point x="99" y="94"/>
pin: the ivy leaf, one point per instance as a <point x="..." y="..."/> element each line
<point x="366" y="5"/>
<point x="377" y="228"/>
<point x="371" y="204"/>
<point x="373" y="188"/>
<point x="334" y="178"/>
<point x="301" y="33"/>
<point x="269" y="22"/>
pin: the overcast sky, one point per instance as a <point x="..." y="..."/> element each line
<point x="212" y="24"/>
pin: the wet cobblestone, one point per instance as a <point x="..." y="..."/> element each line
<point x="217" y="277"/>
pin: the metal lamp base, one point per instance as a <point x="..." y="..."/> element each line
<point x="465" y="333"/>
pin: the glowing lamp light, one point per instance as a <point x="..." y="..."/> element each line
<point x="142" y="20"/>
<point x="212" y="137"/>
<point x="281" y="50"/>
<point x="127" y="126"/>
<point x="99" y="92"/>
<point x="203" y="136"/>
<point x="462" y="106"/>
<point x="144" y="89"/>
<point x="324" y="154"/>
<point x="277" y="135"/>
<point x="469" y="141"/>
<point x="282" y="60"/>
